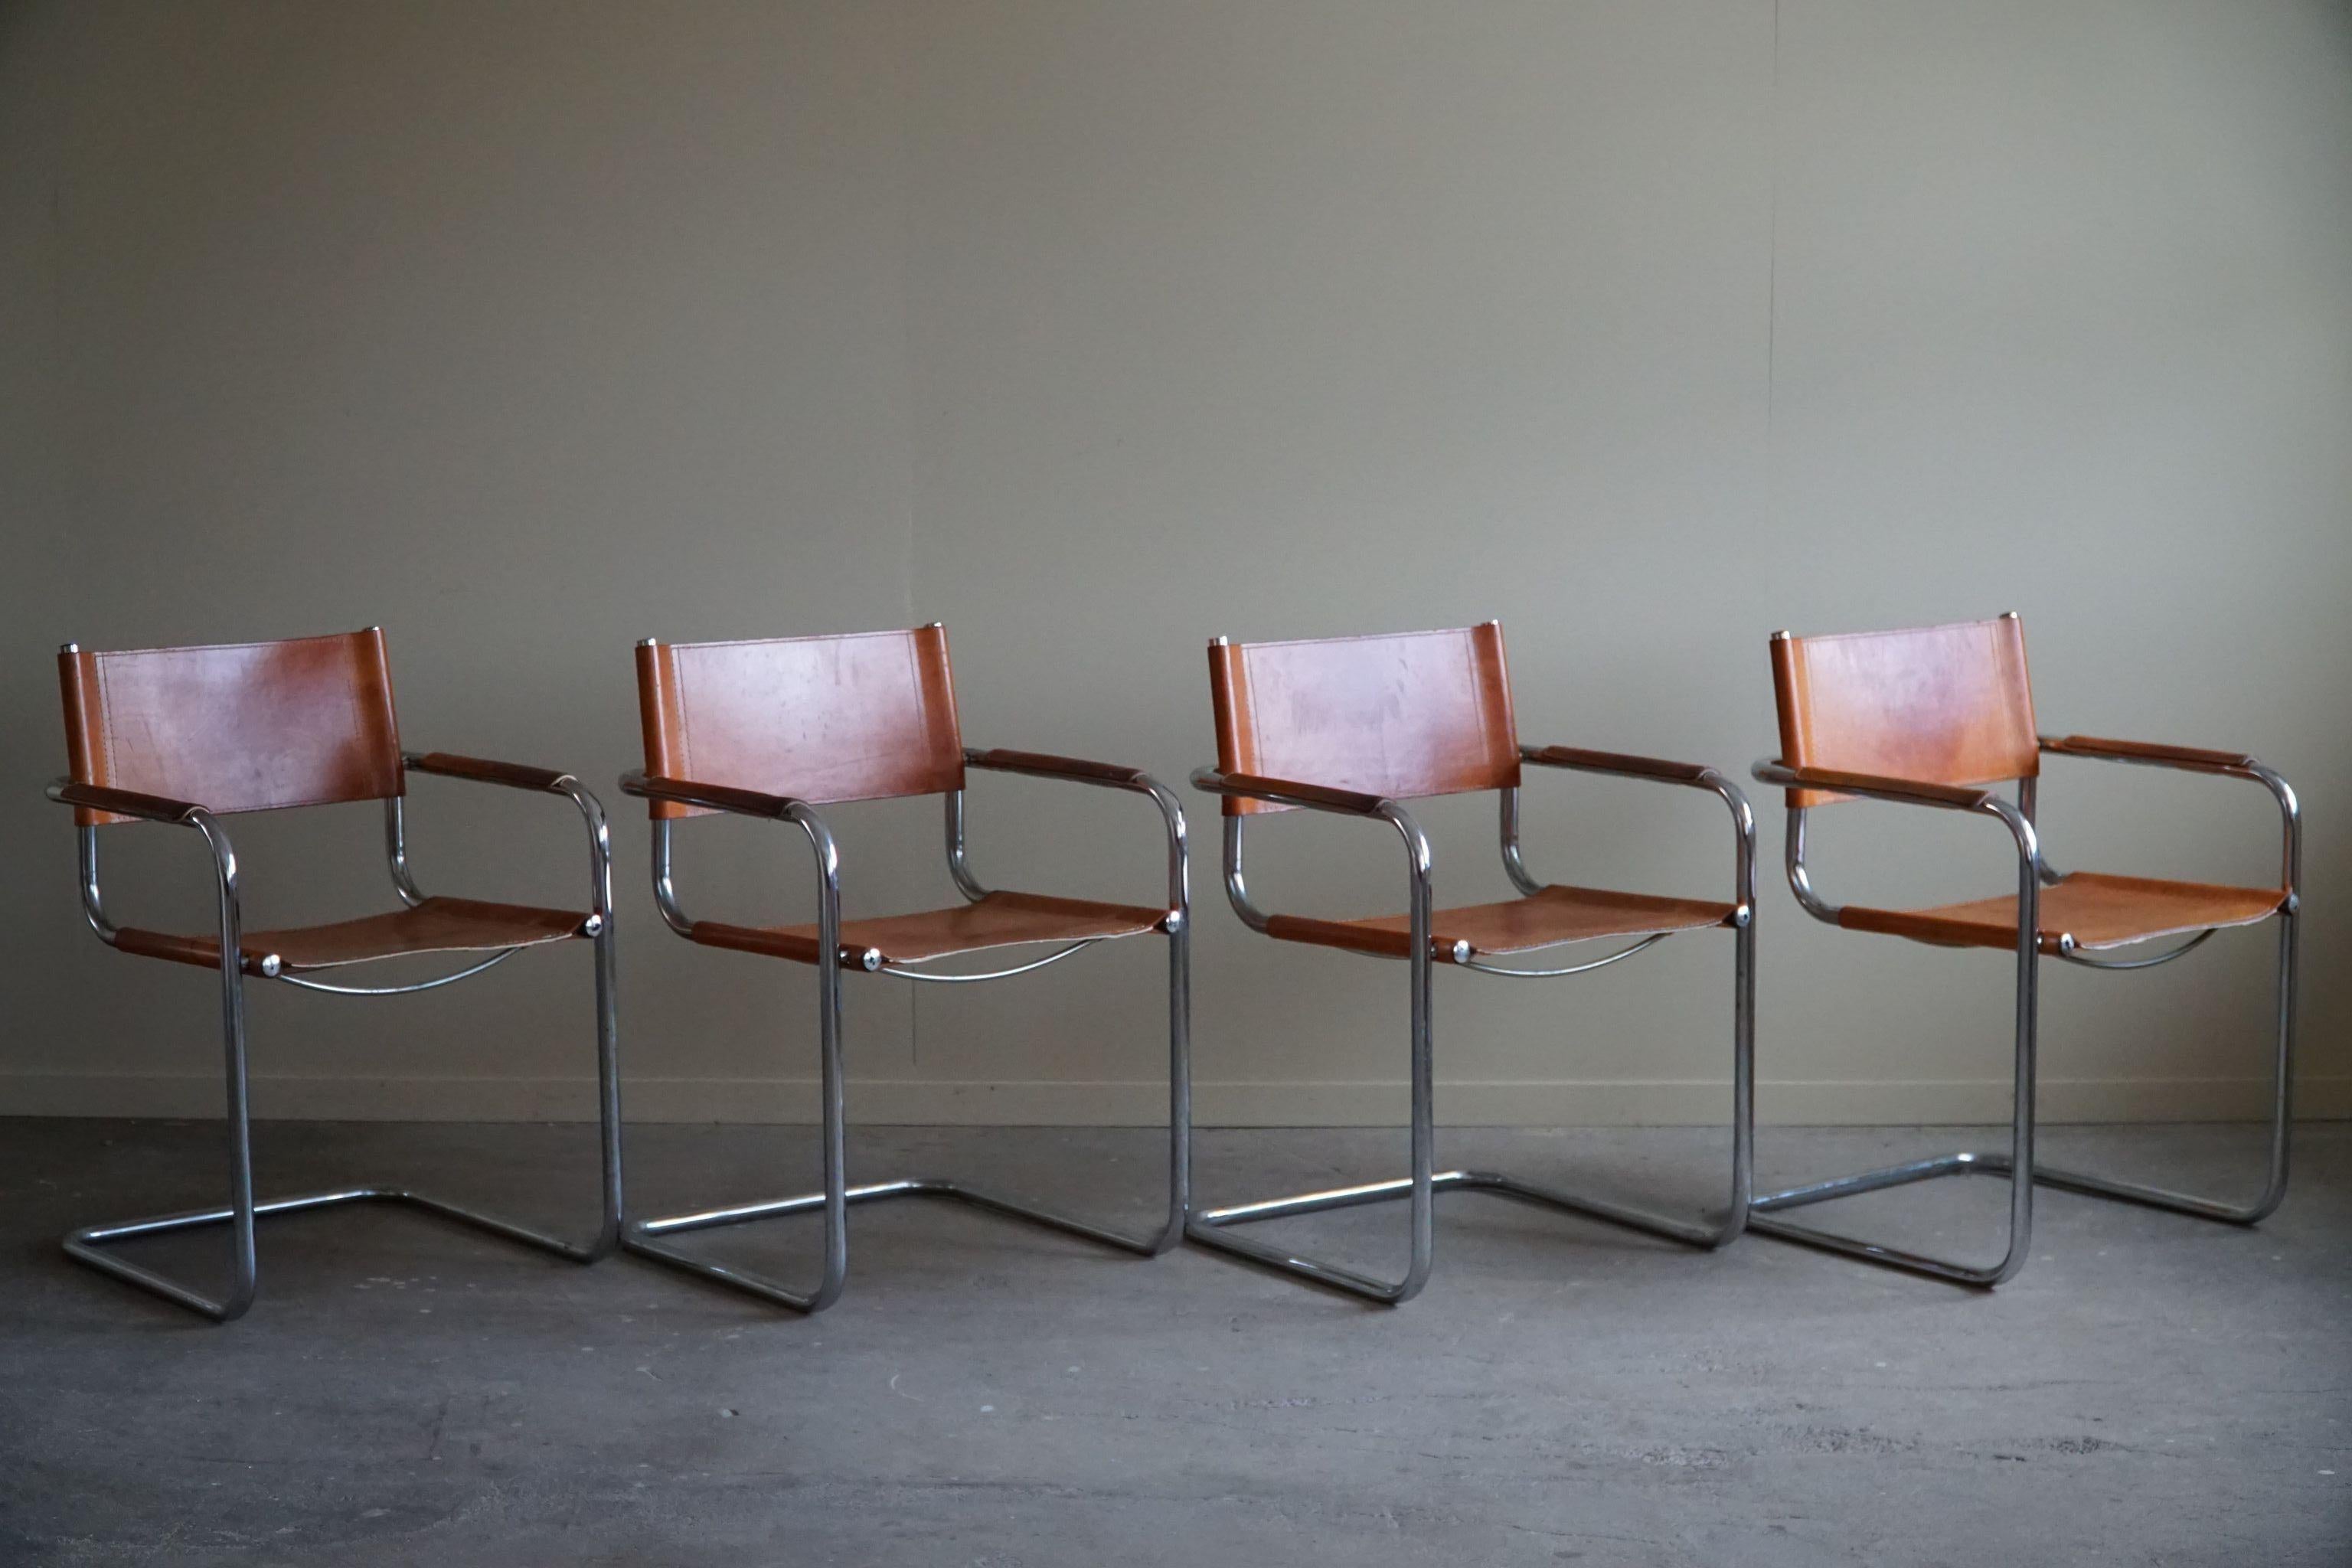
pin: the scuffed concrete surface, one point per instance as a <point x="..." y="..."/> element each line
<point x="2154" y="1390"/>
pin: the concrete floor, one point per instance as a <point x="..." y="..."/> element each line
<point x="2153" y="1390"/>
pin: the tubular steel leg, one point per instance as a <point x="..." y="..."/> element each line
<point x="1721" y="1230"/>
<point x="2281" y="1122"/>
<point x="83" y="1244"/>
<point x="1209" y="1225"/>
<point x="2018" y="1166"/>
<point x="2008" y="1165"/>
<point x="87" y="1245"/>
<point x="1208" y="1228"/>
<point x="644" y="1237"/>
<point x="608" y="1070"/>
<point x="1180" y="1085"/>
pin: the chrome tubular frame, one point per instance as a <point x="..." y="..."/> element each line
<point x="2018" y="1164"/>
<point x="2020" y="1159"/>
<point x="87" y="1245"/>
<point x="2290" y="939"/>
<point x="1208" y="1227"/>
<point x="1211" y="1228"/>
<point x="649" y="1236"/>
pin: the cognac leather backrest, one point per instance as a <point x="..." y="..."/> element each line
<point x="248" y="727"/>
<point x="1947" y="705"/>
<point x="1415" y="714"/>
<point x="863" y="717"/>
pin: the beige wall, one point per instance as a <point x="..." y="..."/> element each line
<point x="1094" y="330"/>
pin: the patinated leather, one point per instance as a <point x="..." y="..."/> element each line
<point x="1632" y="766"/>
<point x="245" y="727"/>
<point x="2095" y="909"/>
<point x="123" y="803"/>
<point x="2146" y="750"/>
<point x="1420" y="713"/>
<point x="862" y="717"/>
<point x="1000" y="920"/>
<point x="482" y="770"/>
<point x="742" y="802"/>
<point x="1851" y="786"/>
<point x="1555" y="915"/>
<point x="436" y="925"/>
<point x="1045" y="764"/>
<point x="1947" y="705"/>
<point x="1355" y="803"/>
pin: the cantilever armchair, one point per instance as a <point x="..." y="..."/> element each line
<point x="1937" y="716"/>
<point x="186" y="736"/>
<point x="1355" y="725"/>
<point x="773" y="730"/>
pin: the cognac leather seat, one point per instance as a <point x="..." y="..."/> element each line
<point x="1546" y="919"/>
<point x="2084" y="909"/>
<point x="436" y="925"/>
<point x="999" y="920"/>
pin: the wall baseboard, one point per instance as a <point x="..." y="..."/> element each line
<point x="1137" y="1104"/>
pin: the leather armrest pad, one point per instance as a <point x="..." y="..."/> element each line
<point x="514" y="775"/>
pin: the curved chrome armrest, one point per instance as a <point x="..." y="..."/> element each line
<point x="1077" y="770"/>
<point x="1898" y="792"/>
<point x="152" y="808"/>
<point x="1316" y="798"/>
<point x="1622" y="764"/>
<point x="739" y="803"/>
<point x="2194" y="760"/>
<point x="511" y="775"/>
